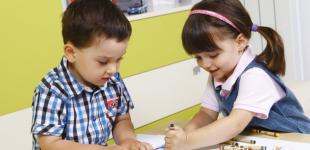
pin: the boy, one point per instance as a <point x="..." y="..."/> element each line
<point x="81" y="102"/>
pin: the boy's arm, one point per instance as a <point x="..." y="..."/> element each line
<point x="204" y="117"/>
<point x="123" y="129"/>
<point x="124" y="134"/>
<point x="56" y="143"/>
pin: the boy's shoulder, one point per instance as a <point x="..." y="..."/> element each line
<point x="117" y="80"/>
<point x="52" y="82"/>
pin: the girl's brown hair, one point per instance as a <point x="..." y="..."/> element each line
<point x="199" y="32"/>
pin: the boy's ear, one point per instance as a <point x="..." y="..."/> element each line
<point x="70" y="52"/>
<point x="242" y="42"/>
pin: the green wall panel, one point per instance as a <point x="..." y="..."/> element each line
<point x="31" y="45"/>
<point x="155" y="42"/>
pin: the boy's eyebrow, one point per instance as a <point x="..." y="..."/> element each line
<point x="106" y="57"/>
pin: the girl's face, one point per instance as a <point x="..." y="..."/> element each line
<point x="95" y="65"/>
<point x="221" y="63"/>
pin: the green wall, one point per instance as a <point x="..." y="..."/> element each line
<point x="155" y="42"/>
<point x="31" y="45"/>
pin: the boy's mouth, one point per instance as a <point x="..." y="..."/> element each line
<point x="106" y="78"/>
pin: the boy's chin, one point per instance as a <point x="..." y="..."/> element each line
<point x="96" y="85"/>
<point x="101" y="84"/>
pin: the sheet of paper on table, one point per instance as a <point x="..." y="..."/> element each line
<point x="271" y="144"/>
<point x="156" y="140"/>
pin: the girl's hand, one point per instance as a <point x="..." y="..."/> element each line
<point x="132" y="144"/>
<point x="175" y="139"/>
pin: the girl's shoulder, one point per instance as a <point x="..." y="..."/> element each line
<point x="255" y="74"/>
<point x="257" y="79"/>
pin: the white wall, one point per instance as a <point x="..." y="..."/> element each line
<point x="165" y="91"/>
<point x="15" y="130"/>
<point x="290" y="19"/>
<point x="304" y="14"/>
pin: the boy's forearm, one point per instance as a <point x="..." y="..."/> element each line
<point x="123" y="129"/>
<point x="56" y="143"/>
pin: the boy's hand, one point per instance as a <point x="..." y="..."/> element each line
<point x="132" y="144"/>
<point x="175" y="138"/>
<point x="115" y="147"/>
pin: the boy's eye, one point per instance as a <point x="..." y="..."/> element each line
<point x="118" y="60"/>
<point x="103" y="62"/>
<point x="197" y="57"/>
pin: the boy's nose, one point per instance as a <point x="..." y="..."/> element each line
<point x="112" y="69"/>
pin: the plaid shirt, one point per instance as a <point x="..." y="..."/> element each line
<point x="64" y="107"/>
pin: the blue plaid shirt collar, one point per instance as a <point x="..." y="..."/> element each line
<point x="75" y="87"/>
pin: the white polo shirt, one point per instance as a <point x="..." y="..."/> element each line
<point x="257" y="90"/>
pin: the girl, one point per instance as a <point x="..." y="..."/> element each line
<point x="244" y="87"/>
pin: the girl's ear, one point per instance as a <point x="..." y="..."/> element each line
<point x="70" y="52"/>
<point x="242" y="42"/>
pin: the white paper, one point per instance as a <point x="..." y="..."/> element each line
<point x="271" y="144"/>
<point x="156" y="140"/>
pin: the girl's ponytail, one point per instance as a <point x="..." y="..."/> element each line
<point x="273" y="54"/>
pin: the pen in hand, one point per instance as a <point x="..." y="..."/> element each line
<point x="170" y="127"/>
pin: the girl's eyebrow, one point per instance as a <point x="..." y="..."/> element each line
<point x="211" y="53"/>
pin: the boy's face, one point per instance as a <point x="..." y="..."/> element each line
<point x="95" y="65"/>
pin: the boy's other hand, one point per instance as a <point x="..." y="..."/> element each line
<point x="132" y="144"/>
<point x="115" y="147"/>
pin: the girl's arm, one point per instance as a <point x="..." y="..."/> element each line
<point x="204" y="117"/>
<point x="57" y="143"/>
<point x="214" y="133"/>
<point x="124" y="134"/>
<point x="221" y="130"/>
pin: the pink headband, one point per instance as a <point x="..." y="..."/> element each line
<point x="216" y="15"/>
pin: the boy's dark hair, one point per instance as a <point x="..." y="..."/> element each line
<point x="199" y="32"/>
<point x="85" y="20"/>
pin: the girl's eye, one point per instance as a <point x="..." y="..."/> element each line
<point x="213" y="55"/>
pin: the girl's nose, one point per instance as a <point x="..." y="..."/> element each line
<point x="206" y="64"/>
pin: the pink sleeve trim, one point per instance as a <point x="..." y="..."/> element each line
<point x="259" y="112"/>
<point x="209" y="106"/>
